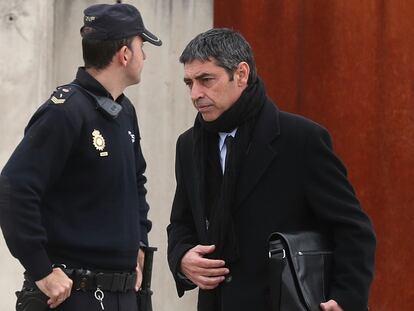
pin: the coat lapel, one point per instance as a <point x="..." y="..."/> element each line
<point x="260" y="152"/>
<point x="197" y="192"/>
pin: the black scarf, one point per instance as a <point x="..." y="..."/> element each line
<point x="241" y="115"/>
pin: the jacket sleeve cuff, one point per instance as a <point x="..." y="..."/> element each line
<point x="181" y="282"/>
<point x="184" y="279"/>
<point x="37" y="264"/>
<point x="144" y="238"/>
<point x="349" y="302"/>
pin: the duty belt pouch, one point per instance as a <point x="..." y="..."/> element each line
<point x="299" y="270"/>
<point x="30" y="298"/>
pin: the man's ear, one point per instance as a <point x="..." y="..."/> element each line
<point x="242" y="74"/>
<point x="123" y="55"/>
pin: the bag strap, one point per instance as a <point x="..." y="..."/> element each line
<point x="277" y="262"/>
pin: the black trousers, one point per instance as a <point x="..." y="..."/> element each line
<point x="86" y="301"/>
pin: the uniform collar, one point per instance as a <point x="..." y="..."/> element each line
<point x="85" y="80"/>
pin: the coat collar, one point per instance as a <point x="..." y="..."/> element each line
<point x="260" y="152"/>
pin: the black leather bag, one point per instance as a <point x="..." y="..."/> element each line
<point x="299" y="270"/>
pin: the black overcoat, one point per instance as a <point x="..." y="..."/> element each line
<point x="290" y="180"/>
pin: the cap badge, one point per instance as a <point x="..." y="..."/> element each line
<point x="89" y="18"/>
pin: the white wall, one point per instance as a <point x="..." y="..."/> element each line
<point x="40" y="48"/>
<point x="24" y="70"/>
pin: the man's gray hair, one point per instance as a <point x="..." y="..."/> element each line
<point x="226" y="47"/>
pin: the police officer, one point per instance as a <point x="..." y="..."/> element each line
<point x="72" y="195"/>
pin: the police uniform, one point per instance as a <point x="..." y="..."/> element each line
<point x="76" y="185"/>
<point x="73" y="192"/>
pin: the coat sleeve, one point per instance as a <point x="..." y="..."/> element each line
<point x="333" y="200"/>
<point x="181" y="230"/>
<point x="34" y="166"/>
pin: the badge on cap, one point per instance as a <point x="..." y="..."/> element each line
<point x="89" y="19"/>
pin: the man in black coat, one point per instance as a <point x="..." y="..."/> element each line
<point x="245" y="170"/>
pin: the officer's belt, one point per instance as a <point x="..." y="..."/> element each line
<point x="87" y="280"/>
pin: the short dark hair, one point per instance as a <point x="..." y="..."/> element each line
<point x="226" y="47"/>
<point x="98" y="53"/>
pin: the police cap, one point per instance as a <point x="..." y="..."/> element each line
<point x="114" y="22"/>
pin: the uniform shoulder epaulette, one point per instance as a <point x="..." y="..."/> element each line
<point x="61" y="94"/>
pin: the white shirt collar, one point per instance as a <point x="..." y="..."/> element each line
<point x="223" y="136"/>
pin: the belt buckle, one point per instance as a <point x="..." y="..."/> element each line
<point x="85" y="279"/>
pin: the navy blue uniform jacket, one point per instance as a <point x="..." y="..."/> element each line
<point x="73" y="191"/>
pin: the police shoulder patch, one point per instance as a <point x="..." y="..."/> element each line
<point x="61" y="94"/>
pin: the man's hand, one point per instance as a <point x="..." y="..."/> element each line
<point x="56" y="286"/>
<point x="203" y="272"/>
<point x="139" y="269"/>
<point x="330" y="305"/>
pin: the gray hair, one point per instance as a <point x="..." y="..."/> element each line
<point x="226" y="47"/>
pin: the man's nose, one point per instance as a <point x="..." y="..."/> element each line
<point x="196" y="92"/>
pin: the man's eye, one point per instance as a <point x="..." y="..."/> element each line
<point x="207" y="81"/>
<point x="189" y="84"/>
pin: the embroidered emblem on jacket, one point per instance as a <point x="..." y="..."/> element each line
<point x="132" y="136"/>
<point x="99" y="142"/>
<point x="61" y="94"/>
<point x="57" y="101"/>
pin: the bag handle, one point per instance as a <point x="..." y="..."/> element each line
<point x="277" y="262"/>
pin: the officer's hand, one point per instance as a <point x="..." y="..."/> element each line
<point x="203" y="272"/>
<point x="330" y="305"/>
<point x="56" y="286"/>
<point x="139" y="269"/>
